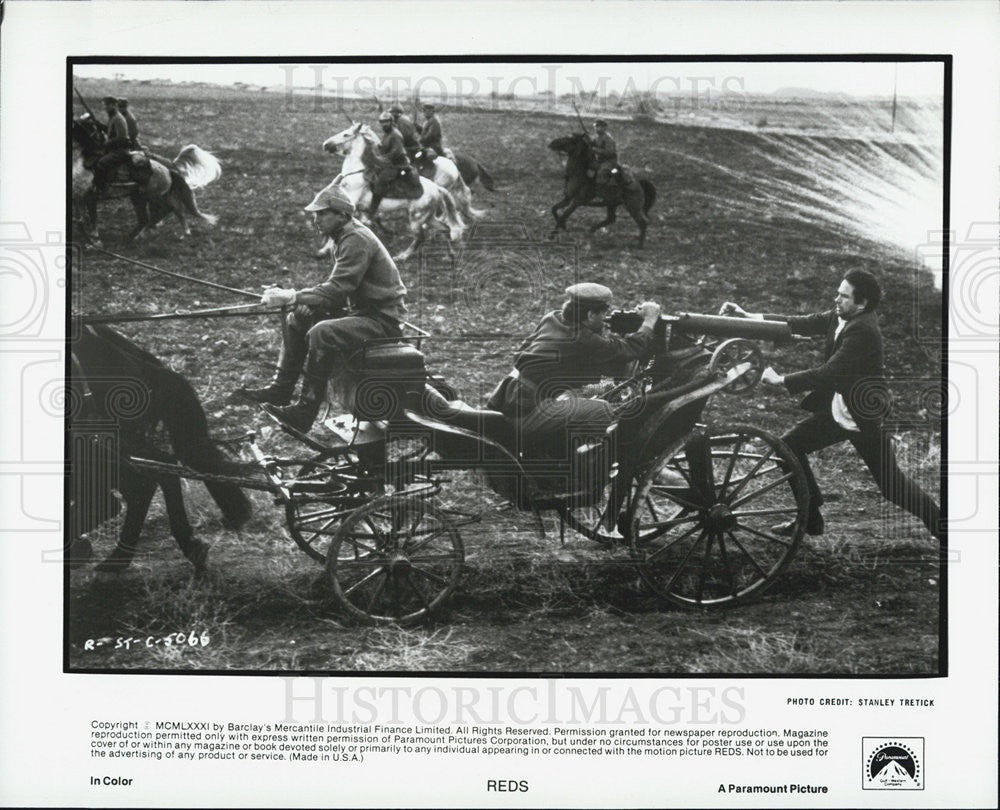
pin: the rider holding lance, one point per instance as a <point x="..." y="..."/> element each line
<point x="117" y="146"/>
<point x="318" y="333"/>
<point x="605" y="152"/>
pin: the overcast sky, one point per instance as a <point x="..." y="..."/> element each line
<point x="920" y="79"/>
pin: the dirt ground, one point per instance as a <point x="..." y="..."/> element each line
<point x="862" y="599"/>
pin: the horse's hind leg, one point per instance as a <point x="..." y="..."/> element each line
<point x="642" y="221"/>
<point x="195" y="550"/>
<point x="608" y="220"/>
<point x="137" y="490"/>
<point x="141" y="216"/>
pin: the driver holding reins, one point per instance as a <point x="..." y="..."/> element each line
<point x="361" y="300"/>
<point x="569" y="348"/>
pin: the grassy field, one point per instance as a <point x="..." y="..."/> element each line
<point x="862" y="599"/>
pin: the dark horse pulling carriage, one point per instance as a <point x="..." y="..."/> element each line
<point x="690" y="505"/>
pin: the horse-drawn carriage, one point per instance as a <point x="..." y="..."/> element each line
<point x="690" y="506"/>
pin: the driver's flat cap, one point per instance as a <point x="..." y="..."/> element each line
<point x="589" y="293"/>
<point x="332" y="197"/>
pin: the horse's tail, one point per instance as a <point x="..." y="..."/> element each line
<point x="485" y="177"/>
<point x="185" y="194"/>
<point x="185" y="421"/>
<point x="649" y="192"/>
<point x="449" y="210"/>
<point x="198" y="167"/>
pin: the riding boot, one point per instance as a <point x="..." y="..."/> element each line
<point x="302" y="414"/>
<point x="294" y="348"/>
<point x="375" y="203"/>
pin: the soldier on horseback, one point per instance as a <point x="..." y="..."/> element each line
<point x="605" y="154"/>
<point x="130" y="123"/>
<point x="393" y="176"/>
<point x="431" y="136"/>
<point x="116" y="148"/>
<point x="406" y="128"/>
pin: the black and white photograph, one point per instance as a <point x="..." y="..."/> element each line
<point x="507" y="367"/>
<point x="545" y="404"/>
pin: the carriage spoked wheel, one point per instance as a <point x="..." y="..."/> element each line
<point x="729" y="354"/>
<point x="701" y="524"/>
<point x="322" y="494"/>
<point x="394" y="560"/>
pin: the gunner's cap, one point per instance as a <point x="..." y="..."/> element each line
<point x="332" y="197"/>
<point x="600" y="122"/>
<point x="384" y="117"/>
<point x="589" y="293"/>
<point x="109" y="100"/>
<point x="395" y="109"/>
<point x="429" y="108"/>
<point x="122" y="102"/>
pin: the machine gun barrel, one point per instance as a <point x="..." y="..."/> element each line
<point x="727" y="327"/>
<point x="713" y="325"/>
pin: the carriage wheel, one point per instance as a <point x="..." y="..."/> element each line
<point x="394" y="560"/>
<point x="320" y="500"/>
<point x="701" y="522"/>
<point x="729" y="354"/>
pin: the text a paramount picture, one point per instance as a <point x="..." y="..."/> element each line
<point x="549" y="431"/>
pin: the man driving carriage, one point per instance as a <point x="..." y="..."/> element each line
<point x="361" y="300"/>
<point x="394" y="176"/>
<point x="569" y="348"/>
<point x="117" y="146"/>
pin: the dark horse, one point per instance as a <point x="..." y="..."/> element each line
<point x="119" y="394"/>
<point x="581" y="188"/>
<point x="155" y="185"/>
<point x="471" y="170"/>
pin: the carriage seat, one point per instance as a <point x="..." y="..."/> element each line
<point x="382" y="378"/>
<point x="490" y="424"/>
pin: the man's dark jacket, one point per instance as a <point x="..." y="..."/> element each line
<point x="853" y="366"/>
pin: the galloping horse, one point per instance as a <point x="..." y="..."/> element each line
<point x="472" y="170"/>
<point x="446" y="174"/>
<point x="580" y="188"/>
<point x="435" y="208"/>
<point x="169" y="187"/>
<point x="118" y="389"/>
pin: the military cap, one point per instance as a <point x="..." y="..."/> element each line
<point x="589" y="293"/>
<point x="122" y="102"/>
<point x="600" y="122"/>
<point x="430" y="107"/>
<point x="109" y="100"/>
<point x="332" y="197"/>
<point x="395" y="109"/>
<point x="384" y="116"/>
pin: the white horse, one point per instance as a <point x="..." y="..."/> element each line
<point x="169" y="187"/>
<point x="435" y="209"/>
<point x="447" y="176"/>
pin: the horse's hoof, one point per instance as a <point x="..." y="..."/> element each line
<point x="80" y="552"/>
<point x="112" y="565"/>
<point x="198" y="555"/>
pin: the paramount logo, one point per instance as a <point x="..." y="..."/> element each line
<point x="892" y="763"/>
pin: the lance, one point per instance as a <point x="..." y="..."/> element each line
<point x="578" y="118"/>
<point x="86" y="106"/>
<point x="239" y="310"/>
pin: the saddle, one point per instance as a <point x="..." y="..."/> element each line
<point x="424" y="159"/>
<point x="395" y="182"/>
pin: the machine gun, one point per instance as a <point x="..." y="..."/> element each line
<point x="724" y="342"/>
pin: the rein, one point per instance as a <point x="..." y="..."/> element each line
<point x="137" y="263"/>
